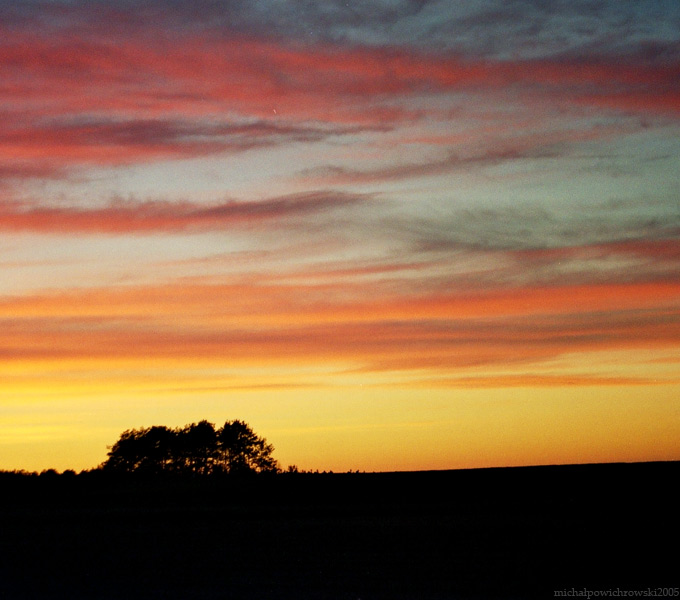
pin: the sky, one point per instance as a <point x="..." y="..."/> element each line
<point x="389" y="235"/>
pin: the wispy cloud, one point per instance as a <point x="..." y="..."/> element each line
<point x="252" y="325"/>
<point x="98" y="140"/>
<point x="501" y="139"/>
<point x="492" y="28"/>
<point x="527" y="226"/>
<point x="145" y="93"/>
<point x="122" y="217"/>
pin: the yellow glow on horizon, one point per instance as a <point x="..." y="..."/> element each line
<point x="369" y="428"/>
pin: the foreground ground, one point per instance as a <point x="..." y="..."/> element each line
<point x="497" y="533"/>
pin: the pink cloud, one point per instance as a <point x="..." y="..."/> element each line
<point x="75" y="99"/>
<point x="153" y="75"/>
<point x="163" y="217"/>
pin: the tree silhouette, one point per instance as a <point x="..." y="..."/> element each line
<point x="150" y="450"/>
<point x="195" y="449"/>
<point x="241" y="450"/>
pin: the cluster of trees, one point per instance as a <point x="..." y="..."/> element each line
<point x="195" y="449"/>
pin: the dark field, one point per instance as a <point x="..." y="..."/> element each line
<point x="492" y="533"/>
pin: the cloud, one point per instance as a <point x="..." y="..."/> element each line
<point x="502" y="140"/>
<point x="97" y="84"/>
<point x="489" y="29"/>
<point x="120" y="217"/>
<point x="20" y="170"/>
<point x="540" y="380"/>
<point x="148" y="70"/>
<point x="223" y="77"/>
<point x="102" y="140"/>
<point x="259" y="324"/>
<point x="538" y="226"/>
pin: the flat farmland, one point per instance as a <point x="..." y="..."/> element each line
<point x="492" y="533"/>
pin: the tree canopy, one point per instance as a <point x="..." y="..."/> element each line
<point x="195" y="449"/>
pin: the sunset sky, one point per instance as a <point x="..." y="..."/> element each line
<point x="389" y="235"/>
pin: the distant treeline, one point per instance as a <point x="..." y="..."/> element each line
<point x="197" y="449"/>
<point x="99" y="472"/>
<point x="552" y="488"/>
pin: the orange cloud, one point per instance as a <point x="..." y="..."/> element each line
<point x="539" y="381"/>
<point x="251" y="324"/>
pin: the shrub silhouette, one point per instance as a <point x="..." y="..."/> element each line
<point x="195" y="449"/>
